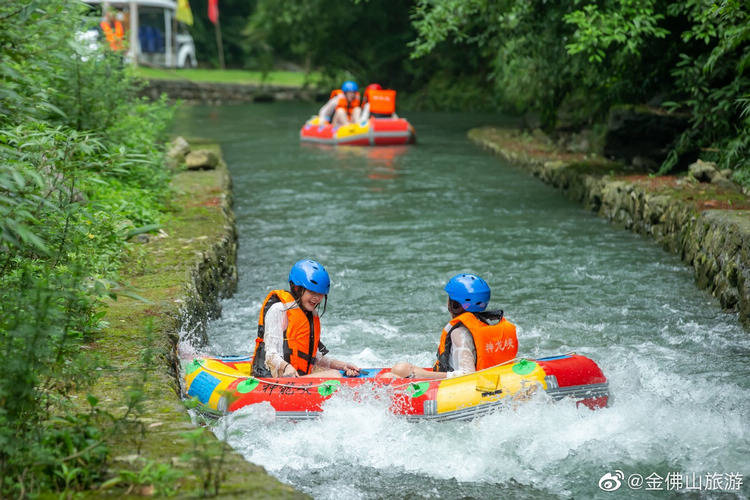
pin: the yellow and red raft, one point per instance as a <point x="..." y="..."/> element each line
<point x="374" y="132"/>
<point x="224" y="385"/>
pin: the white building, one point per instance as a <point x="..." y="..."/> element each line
<point x="154" y="36"/>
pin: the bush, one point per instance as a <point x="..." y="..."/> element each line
<point x="80" y="165"/>
<point x="692" y="56"/>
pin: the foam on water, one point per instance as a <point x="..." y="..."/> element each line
<point x="539" y="445"/>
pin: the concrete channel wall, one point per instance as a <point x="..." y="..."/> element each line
<point x="676" y="213"/>
<point x="224" y="93"/>
<point x="212" y="276"/>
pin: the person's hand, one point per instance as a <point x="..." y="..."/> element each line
<point x="289" y="371"/>
<point x="350" y="370"/>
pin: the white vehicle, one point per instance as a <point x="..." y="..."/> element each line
<point x="154" y="36"/>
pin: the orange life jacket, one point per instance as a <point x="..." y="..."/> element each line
<point x="495" y="344"/>
<point x="382" y="102"/>
<point x="301" y="337"/>
<point x="347" y="106"/>
<point x="114" y="37"/>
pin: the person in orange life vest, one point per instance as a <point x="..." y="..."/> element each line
<point x="470" y="341"/>
<point x="113" y="31"/>
<point x="343" y="106"/>
<point x="374" y="89"/>
<point x="288" y="342"/>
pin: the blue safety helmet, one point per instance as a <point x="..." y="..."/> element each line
<point x="311" y="275"/>
<point x="349" y="86"/>
<point x="469" y="290"/>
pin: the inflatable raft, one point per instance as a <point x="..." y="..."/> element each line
<point x="374" y="132"/>
<point x="224" y="385"/>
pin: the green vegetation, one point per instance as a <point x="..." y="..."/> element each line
<point x="579" y="58"/>
<point x="565" y="62"/>
<point x="286" y="78"/>
<point x="86" y="399"/>
<point x="79" y="172"/>
<point x="163" y="452"/>
<point x="366" y="40"/>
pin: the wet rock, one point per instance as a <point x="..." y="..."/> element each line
<point x="725" y="183"/>
<point x="178" y="149"/>
<point x="723" y="179"/>
<point x="202" y="159"/>
<point x="703" y="171"/>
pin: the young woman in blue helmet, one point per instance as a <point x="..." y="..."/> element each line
<point x="473" y="339"/>
<point x="288" y="342"/>
<point x="343" y="106"/>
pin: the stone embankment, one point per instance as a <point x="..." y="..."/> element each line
<point x="706" y="223"/>
<point x="182" y="272"/>
<point x="224" y="93"/>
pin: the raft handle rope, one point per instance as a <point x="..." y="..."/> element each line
<point x="264" y="381"/>
<point x="261" y="380"/>
<point x="501" y="364"/>
<point x="514" y="360"/>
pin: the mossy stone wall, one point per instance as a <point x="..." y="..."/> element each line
<point x="213" y="275"/>
<point x="224" y="93"/>
<point x="715" y="242"/>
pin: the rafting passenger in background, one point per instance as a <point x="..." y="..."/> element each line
<point x="378" y="103"/>
<point x="343" y="107"/>
<point x="474" y="339"/>
<point x="288" y="342"/>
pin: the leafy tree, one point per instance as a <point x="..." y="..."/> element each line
<point x="337" y="39"/>
<point x="712" y="79"/>
<point x="334" y="36"/>
<point x="233" y="15"/>
<point x="587" y="55"/>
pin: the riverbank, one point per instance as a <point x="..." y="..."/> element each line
<point x="707" y="224"/>
<point x="217" y="93"/>
<point x="283" y="78"/>
<point x="182" y="272"/>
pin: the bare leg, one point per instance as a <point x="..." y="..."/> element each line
<point x="340" y="118"/>
<point x="405" y="370"/>
<point x="402" y="369"/>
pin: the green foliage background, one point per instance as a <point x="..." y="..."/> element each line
<point x="552" y="57"/>
<point x="567" y="62"/>
<point x="80" y="167"/>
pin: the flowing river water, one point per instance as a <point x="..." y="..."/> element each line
<point x="392" y="225"/>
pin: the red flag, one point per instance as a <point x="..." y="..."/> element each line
<point x="213" y="11"/>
